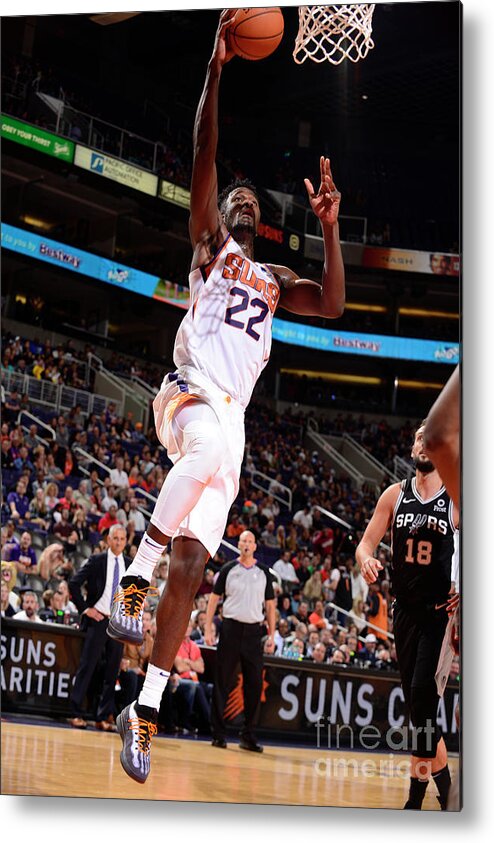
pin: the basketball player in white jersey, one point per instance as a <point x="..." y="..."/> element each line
<point x="221" y="348"/>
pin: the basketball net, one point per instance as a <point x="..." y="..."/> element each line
<point x="334" y="33"/>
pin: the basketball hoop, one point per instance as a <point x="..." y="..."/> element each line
<point x="334" y="33"/>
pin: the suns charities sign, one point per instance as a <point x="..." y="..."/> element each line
<point x="39" y="662"/>
<point x="344" y="707"/>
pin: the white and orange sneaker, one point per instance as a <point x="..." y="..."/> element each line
<point x="127" y="609"/>
<point x="136" y="725"/>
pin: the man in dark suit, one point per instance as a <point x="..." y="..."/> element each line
<point x="100" y="575"/>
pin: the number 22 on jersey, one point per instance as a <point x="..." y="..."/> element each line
<point x="257" y="304"/>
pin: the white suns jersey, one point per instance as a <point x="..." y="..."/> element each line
<point x="226" y="333"/>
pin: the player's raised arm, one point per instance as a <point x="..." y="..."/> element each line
<point x="306" y="297"/>
<point x="375" y="531"/>
<point x="442" y="436"/>
<point x="204" y="216"/>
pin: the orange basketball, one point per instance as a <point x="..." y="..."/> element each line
<point x="255" y="33"/>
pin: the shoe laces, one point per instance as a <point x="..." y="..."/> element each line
<point x="145" y="730"/>
<point x="133" y="598"/>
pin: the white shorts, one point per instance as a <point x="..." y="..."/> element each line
<point x="207" y="520"/>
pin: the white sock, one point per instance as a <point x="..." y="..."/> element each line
<point x="146" y="558"/>
<point x="154" y="685"/>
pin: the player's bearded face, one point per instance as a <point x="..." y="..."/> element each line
<point x="423" y="464"/>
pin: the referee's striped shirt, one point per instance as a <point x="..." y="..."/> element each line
<point x="245" y="590"/>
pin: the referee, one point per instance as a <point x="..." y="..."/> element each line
<point x="247" y="587"/>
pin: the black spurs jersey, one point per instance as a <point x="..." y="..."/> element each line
<point x="422" y="547"/>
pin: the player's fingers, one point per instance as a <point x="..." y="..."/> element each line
<point x="368" y="572"/>
<point x="309" y="187"/>
<point x="226" y="18"/>
<point x="374" y="568"/>
<point x="326" y="174"/>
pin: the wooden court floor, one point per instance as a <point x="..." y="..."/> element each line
<point x="58" y="761"/>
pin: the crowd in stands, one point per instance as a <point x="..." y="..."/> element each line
<point x="378" y="437"/>
<point x="59" y="502"/>
<point x="66" y="364"/>
<point x="62" y="364"/>
<point x="101" y="470"/>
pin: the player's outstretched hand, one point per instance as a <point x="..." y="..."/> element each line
<point x="326" y="202"/>
<point x="221" y="51"/>
<point x="370" y="568"/>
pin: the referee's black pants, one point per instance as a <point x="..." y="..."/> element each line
<point x="239" y="642"/>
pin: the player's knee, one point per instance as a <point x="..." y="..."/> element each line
<point x="189" y="558"/>
<point x="203" y="442"/>
<point x="186" y="577"/>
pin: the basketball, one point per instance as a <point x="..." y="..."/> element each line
<point x="255" y="33"/>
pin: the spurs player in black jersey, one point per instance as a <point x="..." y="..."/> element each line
<point x="423" y="520"/>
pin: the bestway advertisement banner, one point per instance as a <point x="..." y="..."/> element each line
<point x="370" y="345"/>
<point x="294" y="333"/>
<point x="77" y="260"/>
